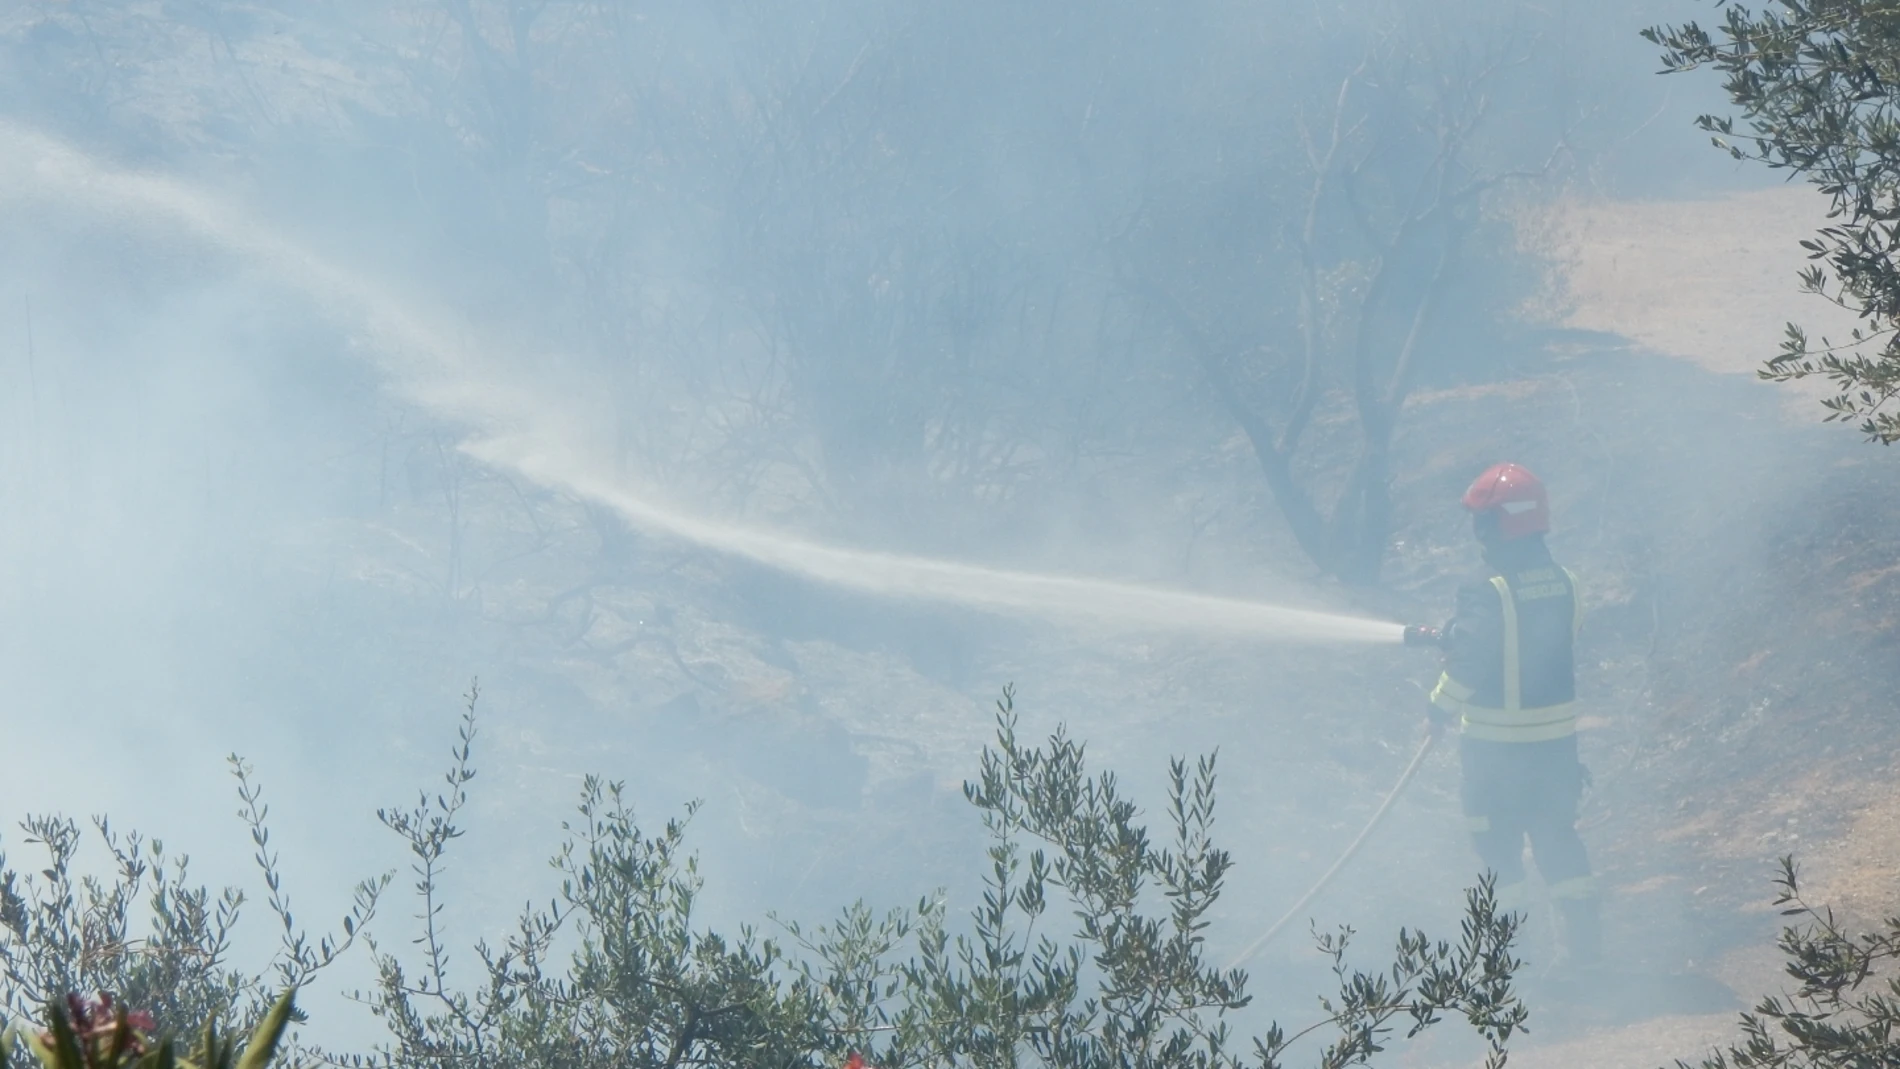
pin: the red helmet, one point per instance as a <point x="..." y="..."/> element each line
<point x="1515" y="496"/>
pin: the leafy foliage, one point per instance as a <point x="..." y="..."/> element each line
<point x="641" y="987"/>
<point x="63" y="931"/>
<point x="1129" y="986"/>
<point x="99" y="1033"/>
<point x="1845" y="1010"/>
<point x="1815" y="81"/>
<point x="1088" y="950"/>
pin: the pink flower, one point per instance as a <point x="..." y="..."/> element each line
<point x="95" y="1023"/>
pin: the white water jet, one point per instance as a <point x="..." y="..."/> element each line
<point x="531" y="435"/>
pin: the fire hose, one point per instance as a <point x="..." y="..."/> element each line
<point x="1385" y="806"/>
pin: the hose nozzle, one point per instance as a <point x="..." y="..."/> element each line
<point x="1420" y="635"/>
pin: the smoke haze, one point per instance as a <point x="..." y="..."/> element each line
<point x="748" y="393"/>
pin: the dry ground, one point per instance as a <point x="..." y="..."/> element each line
<point x="1712" y="283"/>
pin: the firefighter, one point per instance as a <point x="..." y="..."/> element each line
<point x="1508" y="685"/>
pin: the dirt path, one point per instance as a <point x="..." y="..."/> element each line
<point x="1711" y="281"/>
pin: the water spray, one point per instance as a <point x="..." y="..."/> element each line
<point x="520" y="429"/>
<point x="536" y="436"/>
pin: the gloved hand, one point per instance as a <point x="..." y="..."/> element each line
<point x="1421" y="635"/>
<point x="1437" y="721"/>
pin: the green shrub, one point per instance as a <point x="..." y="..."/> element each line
<point x="96" y="1032"/>
<point x="1087" y="950"/>
<point x="1845" y="1009"/>
<point x="61" y="932"/>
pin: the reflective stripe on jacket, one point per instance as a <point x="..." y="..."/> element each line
<point x="1509" y="671"/>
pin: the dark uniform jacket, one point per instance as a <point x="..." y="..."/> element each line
<point x="1509" y="669"/>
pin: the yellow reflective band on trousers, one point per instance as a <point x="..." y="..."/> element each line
<point x="1513" y="722"/>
